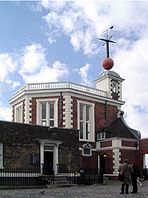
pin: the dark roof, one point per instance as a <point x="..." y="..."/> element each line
<point x="11" y="132"/>
<point x="119" y="128"/>
<point x="110" y="73"/>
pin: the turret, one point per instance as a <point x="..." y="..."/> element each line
<point x="109" y="80"/>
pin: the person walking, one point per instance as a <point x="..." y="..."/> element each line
<point x="125" y="169"/>
<point x="138" y="178"/>
<point x="134" y="177"/>
<point x="145" y="173"/>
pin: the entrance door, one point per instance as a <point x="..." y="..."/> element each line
<point x="48" y="163"/>
<point x="102" y="164"/>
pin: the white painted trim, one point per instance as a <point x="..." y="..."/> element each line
<point x="15" y="174"/>
<point x="27" y="109"/>
<point x="92" y="133"/>
<point x="116" y="160"/>
<point x="116" y="144"/>
<point x="67" y="111"/>
<point x="22" y="112"/>
<point x="98" y="163"/>
<point x="110" y="147"/>
<point x="55" y="144"/>
<point x="41" y="157"/>
<point x="1" y="155"/>
<point x="38" y="110"/>
<point x="55" y="92"/>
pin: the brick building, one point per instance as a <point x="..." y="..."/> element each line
<point x="104" y="137"/>
<point x="37" y="149"/>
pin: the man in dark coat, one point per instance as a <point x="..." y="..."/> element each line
<point x="135" y="175"/>
<point x="127" y="170"/>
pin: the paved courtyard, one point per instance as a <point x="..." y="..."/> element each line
<point x="109" y="190"/>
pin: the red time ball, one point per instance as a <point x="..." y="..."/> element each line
<point x="108" y="63"/>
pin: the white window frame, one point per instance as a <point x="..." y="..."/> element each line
<point x="101" y="135"/>
<point x="18" y="113"/>
<point x="38" y="118"/>
<point x="91" y="137"/>
<point x="86" y="146"/>
<point x="1" y="155"/>
<point x="115" y="86"/>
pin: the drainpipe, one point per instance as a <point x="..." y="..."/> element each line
<point x="61" y="109"/>
<point x="105" y="114"/>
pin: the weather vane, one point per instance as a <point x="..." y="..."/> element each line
<point x="107" y="41"/>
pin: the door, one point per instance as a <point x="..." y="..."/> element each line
<point x="48" y="163"/>
<point x="102" y="164"/>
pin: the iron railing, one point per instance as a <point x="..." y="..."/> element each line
<point x="11" y="178"/>
<point x="25" y="177"/>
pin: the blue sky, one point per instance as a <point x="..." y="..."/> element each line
<point x="45" y="41"/>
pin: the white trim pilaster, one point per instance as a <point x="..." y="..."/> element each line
<point x="67" y="112"/>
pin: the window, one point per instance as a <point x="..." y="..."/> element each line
<point x="101" y="136"/>
<point x="86" y="121"/>
<point x="1" y="155"/>
<point x="115" y="86"/>
<point x="86" y="149"/>
<point x="18" y="115"/>
<point x="47" y="113"/>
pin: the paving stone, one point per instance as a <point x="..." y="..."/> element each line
<point x="110" y="190"/>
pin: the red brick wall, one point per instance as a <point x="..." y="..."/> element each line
<point x="89" y="164"/>
<point x="105" y="144"/>
<point x="131" y="155"/>
<point x="108" y="160"/>
<point x="128" y="143"/>
<point x="74" y="112"/>
<point x="34" y="111"/>
<point x="143" y="147"/>
<point x="111" y="113"/>
<point x="109" y="163"/>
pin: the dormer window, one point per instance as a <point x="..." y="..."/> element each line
<point x="101" y="135"/>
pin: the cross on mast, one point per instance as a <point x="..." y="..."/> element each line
<point x="107" y="41"/>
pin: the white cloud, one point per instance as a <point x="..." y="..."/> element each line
<point x="32" y="59"/>
<point x="131" y="63"/>
<point x="84" y="21"/>
<point x="71" y="22"/>
<point x="13" y="83"/>
<point x="7" y="66"/>
<point x="34" y="67"/>
<point x="48" y="74"/>
<point x="5" y="114"/>
<point x="31" y="65"/>
<point x="83" y="72"/>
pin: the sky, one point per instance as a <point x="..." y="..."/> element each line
<point x="46" y="41"/>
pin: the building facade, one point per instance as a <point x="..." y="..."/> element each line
<point x="104" y="137"/>
<point x="38" y="149"/>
